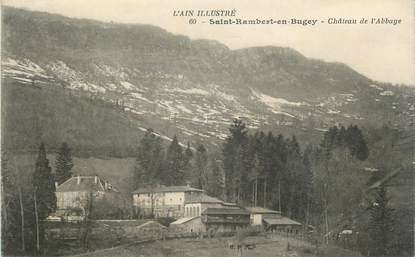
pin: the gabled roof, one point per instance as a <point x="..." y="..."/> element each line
<point x="203" y="198"/>
<point x="87" y="184"/>
<point x="281" y="221"/>
<point x="165" y="189"/>
<point x="231" y="205"/>
<point x="261" y="210"/>
<point x="229" y="211"/>
<point x="184" y="220"/>
<point x="151" y="224"/>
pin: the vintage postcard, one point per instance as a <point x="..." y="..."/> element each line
<point x="179" y="128"/>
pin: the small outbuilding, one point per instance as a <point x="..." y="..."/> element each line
<point x="282" y="224"/>
<point x="258" y="214"/>
<point x="188" y="225"/>
<point x="271" y="220"/>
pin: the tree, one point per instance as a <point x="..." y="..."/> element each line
<point x="200" y="167"/>
<point x="149" y="168"/>
<point x="44" y="191"/>
<point x="216" y="182"/>
<point x="352" y="138"/>
<point x="149" y="161"/>
<point x="232" y="158"/>
<point x="307" y="185"/>
<point x="255" y="174"/>
<point x="44" y="185"/>
<point x="239" y="180"/>
<point x="381" y="223"/>
<point x="10" y="208"/>
<point x="187" y="162"/>
<point x="293" y="179"/>
<point x="356" y="143"/>
<point x="64" y="164"/>
<point x="17" y="208"/>
<point x="174" y="172"/>
<point x="188" y="155"/>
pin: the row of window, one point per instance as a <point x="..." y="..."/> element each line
<point x="156" y="200"/>
<point x="192" y="211"/>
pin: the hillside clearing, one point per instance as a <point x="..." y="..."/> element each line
<point x="276" y="246"/>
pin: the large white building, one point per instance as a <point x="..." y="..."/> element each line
<point x="196" y="205"/>
<point x="164" y="201"/>
<point x="78" y="190"/>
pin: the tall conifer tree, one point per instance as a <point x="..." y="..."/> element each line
<point x="44" y="185"/>
<point x="200" y="167"/>
<point x="174" y="172"/>
<point x="149" y="161"/>
<point x="64" y="164"/>
<point x="232" y="158"/>
<point x="381" y="223"/>
<point x="44" y="193"/>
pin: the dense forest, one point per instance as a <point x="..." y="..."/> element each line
<point x="326" y="185"/>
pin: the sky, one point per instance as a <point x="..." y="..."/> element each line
<point x="381" y="52"/>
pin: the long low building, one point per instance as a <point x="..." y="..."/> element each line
<point x="175" y="201"/>
<point x="282" y="224"/>
<point x="213" y="221"/>
<point x="259" y="213"/>
<point x="188" y="225"/>
<point x="225" y="219"/>
<point x="198" y="204"/>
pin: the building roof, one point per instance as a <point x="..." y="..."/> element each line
<point x="261" y="210"/>
<point x="281" y="221"/>
<point x="184" y="220"/>
<point x="231" y="205"/>
<point x="151" y="224"/>
<point x="86" y="183"/>
<point x="223" y="211"/>
<point x="165" y="189"/>
<point x="203" y="198"/>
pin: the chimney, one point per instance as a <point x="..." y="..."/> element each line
<point x="96" y="179"/>
<point x="78" y="179"/>
<point x="106" y="185"/>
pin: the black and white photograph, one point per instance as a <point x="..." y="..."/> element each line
<point x="180" y="128"/>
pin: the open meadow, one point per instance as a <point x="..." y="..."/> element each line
<point x="277" y="246"/>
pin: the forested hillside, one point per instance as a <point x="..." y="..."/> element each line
<point x="191" y="88"/>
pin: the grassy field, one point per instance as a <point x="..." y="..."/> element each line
<point x="273" y="247"/>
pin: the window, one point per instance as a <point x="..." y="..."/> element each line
<point x="179" y="207"/>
